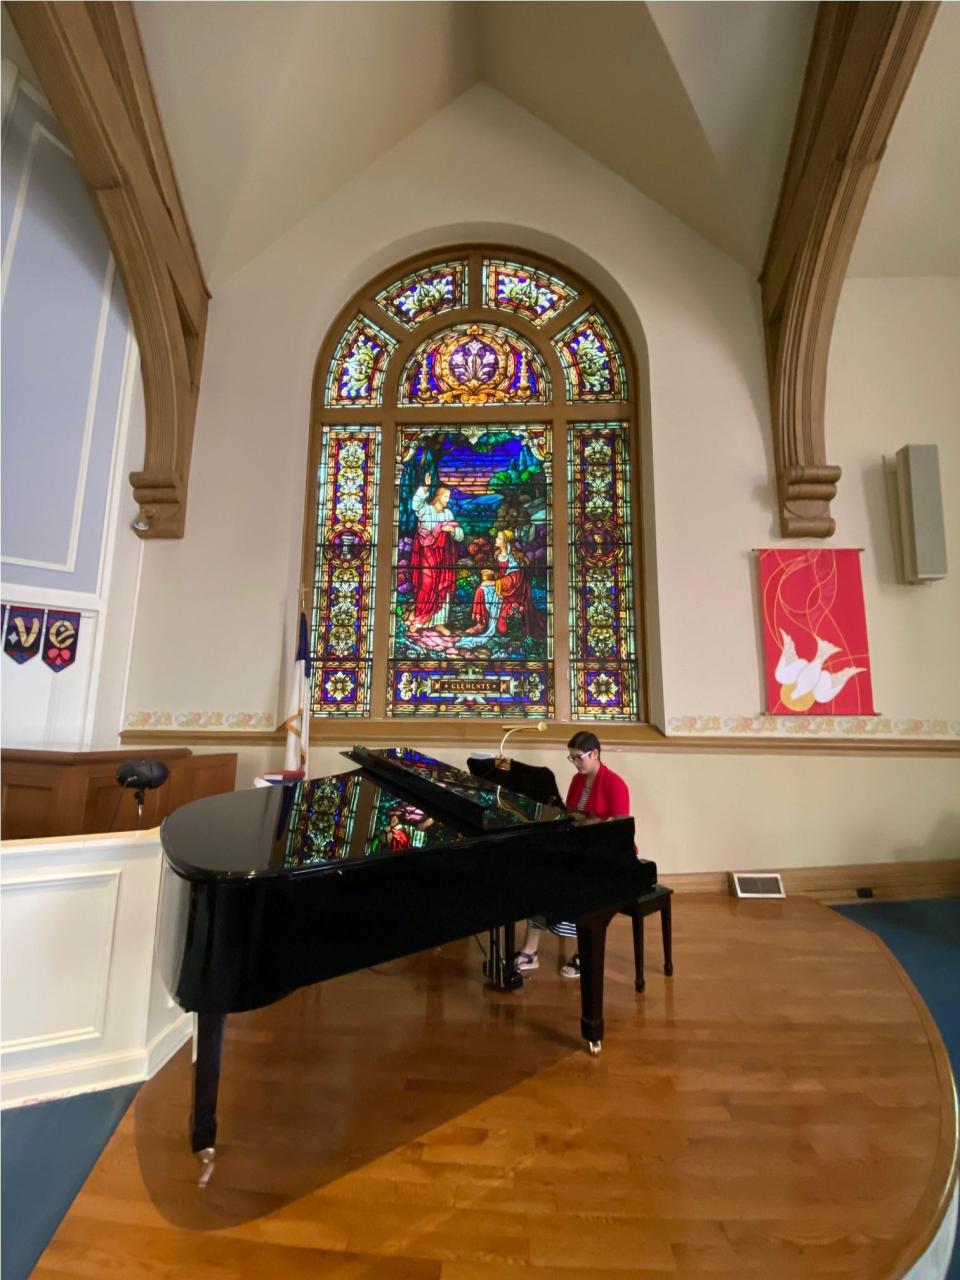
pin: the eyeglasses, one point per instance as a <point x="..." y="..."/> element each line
<point x="575" y="759"/>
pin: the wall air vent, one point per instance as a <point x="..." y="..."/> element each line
<point x="756" y="884"/>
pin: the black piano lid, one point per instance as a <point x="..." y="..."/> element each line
<point x="345" y="820"/>
<point x="484" y="804"/>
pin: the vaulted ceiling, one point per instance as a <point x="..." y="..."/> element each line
<point x="270" y="107"/>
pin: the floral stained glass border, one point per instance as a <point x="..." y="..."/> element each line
<point x="342" y="645"/>
<point x="355" y="376"/>
<point x="524" y="291"/>
<point x="603" y="660"/>
<point x="592" y="364"/>
<point x="425" y="293"/>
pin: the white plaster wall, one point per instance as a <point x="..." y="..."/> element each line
<point x="894" y="379"/>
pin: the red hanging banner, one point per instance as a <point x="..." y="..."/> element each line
<point x="814" y="633"/>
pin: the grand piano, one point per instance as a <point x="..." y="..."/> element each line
<point x="273" y="889"/>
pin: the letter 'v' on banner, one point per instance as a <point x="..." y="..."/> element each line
<point x="816" y="657"/>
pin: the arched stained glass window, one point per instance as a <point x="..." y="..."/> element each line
<point x="475" y="550"/>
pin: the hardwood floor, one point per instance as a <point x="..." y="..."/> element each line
<point x="782" y="1107"/>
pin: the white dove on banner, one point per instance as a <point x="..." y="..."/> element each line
<point x="804" y="682"/>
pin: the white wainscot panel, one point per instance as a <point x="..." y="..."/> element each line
<point x="57" y="936"/>
<point x="83" y="1005"/>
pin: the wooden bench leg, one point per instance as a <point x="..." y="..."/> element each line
<point x="666" y="925"/>
<point x="637" y="921"/>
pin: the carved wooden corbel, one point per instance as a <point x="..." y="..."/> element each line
<point x="861" y="61"/>
<point x="91" y="67"/>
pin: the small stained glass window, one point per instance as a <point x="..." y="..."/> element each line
<point x="425" y="293"/>
<point x="592" y="364"/>
<point x="355" y="377"/>
<point x="475" y="364"/>
<point x="472" y="608"/>
<point x="524" y="291"/>
<point x="603" y="666"/>
<point x="345" y="570"/>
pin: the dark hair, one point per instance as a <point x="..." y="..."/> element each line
<point x="584" y="741"/>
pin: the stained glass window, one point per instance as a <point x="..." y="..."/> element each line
<point x="347" y="496"/>
<point x="425" y="293"/>
<point x="475" y="364"/>
<point x="466" y="627"/>
<point x="472" y="608"/>
<point x="525" y="291"/>
<point x="592" y="364"/>
<point x="355" y="377"/>
<point x="603" y="666"/>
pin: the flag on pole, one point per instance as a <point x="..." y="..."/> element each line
<point x="297" y="723"/>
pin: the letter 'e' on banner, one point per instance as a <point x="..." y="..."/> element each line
<point x="60" y="639"/>
<point x="816" y="657"/>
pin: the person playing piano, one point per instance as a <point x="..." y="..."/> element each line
<point x="595" y="793"/>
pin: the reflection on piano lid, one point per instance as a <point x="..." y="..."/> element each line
<point x="463" y="794"/>
<point x="372" y="812"/>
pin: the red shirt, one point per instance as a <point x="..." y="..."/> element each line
<point x="608" y="798"/>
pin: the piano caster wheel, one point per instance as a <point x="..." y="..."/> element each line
<point x="594" y="1046"/>
<point x="206" y="1157"/>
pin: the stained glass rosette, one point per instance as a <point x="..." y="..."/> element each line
<point x="346" y="570"/>
<point x="524" y="291"/>
<point x="592" y="363"/>
<point x="355" y="376"/>
<point x="603" y="667"/>
<point x="475" y="364"/>
<point x="425" y="293"/>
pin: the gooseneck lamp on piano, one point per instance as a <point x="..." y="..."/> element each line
<point x="502" y="760"/>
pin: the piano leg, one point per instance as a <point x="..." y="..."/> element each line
<point x="591" y="945"/>
<point x="206" y="1083"/>
<point x="499" y="970"/>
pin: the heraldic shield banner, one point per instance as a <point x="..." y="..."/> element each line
<point x="814" y="633"/>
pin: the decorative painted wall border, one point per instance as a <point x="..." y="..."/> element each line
<point x="811" y="727"/>
<point x="237" y="721"/>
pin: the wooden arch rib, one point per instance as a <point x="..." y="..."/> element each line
<point x="861" y="61"/>
<point x="91" y="66"/>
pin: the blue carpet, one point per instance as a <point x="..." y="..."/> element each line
<point x="46" y="1153"/>
<point x="925" y="938"/>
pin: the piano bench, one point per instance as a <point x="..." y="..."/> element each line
<point x="658" y="899"/>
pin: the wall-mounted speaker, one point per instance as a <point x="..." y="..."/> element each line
<point x="920" y="505"/>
